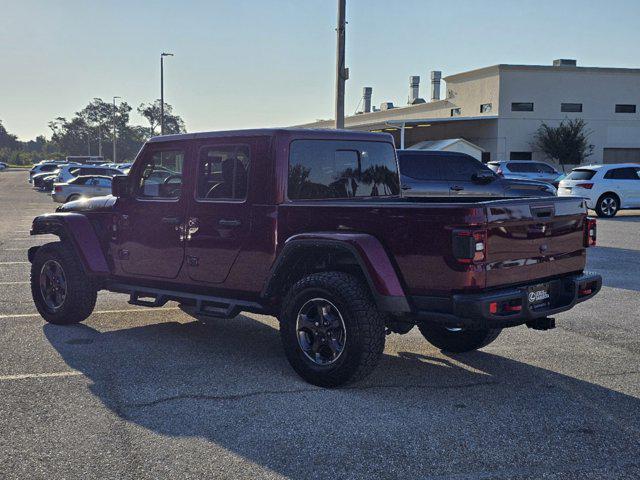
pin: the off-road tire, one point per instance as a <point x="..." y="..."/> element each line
<point x="364" y="325"/>
<point x="599" y="205"/>
<point x="80" y="292"/>
<point x="458" y="341"/>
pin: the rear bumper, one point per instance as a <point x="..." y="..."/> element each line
<point x="474" y="310"/>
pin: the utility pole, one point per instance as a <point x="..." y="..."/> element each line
<point x="113" y="119"/>
<point x="162" y="55"/>
<point x="342" y="73"/>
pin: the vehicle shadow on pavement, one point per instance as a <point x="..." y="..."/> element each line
<point x="619" y="266"/>
<point x="420" y="413"/>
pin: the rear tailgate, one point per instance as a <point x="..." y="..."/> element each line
<point x="532" y="239"/>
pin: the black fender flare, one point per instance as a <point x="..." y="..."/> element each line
<point x="379" y="272"/>
<point x="78" y="231"/>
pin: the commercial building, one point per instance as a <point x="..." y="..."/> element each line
<point x="499" y="108"/>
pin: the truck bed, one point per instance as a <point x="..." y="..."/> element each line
<point x="526" y="239"/>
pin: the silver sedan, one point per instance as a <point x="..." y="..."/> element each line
<point x="81" y="187"/>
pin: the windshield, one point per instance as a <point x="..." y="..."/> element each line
<point x="581" y="174"/>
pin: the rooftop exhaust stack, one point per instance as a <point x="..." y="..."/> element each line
<point x="366" y="99"/>
<point x="436" y="75"/>
<point x="565" y="62"/>
<point x="414" y="90"/>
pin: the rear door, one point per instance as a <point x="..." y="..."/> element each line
<point x="219" y="220"/>
<point x="459" y="172"/>
<point x="421" y="175"/>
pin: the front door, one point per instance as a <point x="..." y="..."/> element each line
<point x="218" y="222"/>
<point x="149" y="226"/>
<point x="460" y="171"/>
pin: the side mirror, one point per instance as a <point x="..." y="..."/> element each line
<point x="121" y="186"/>
<point x="483" y="177"/>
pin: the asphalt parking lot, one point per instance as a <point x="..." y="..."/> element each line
<point x="153" y="393"/>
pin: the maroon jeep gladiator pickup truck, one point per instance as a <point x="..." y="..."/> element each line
<point x="310" y="226"/>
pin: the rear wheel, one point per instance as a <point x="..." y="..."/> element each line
<point x="61" y="291"/>
<point x="608" y="205"/>
<point x="458" y="340"/>
<point x="331" y="330"/>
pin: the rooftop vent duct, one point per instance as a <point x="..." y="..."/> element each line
<point x="386" y="106"/>
<point x="366" y="99"/>
<point x="436" y="75"/>
<point x="414" y="90"/>
<point x="565" y="62"/>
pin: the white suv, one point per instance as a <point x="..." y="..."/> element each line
<point x="607" y="188"/>
<point x="69" y="172"/>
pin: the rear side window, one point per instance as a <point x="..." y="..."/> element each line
<point x="544" y="168"/>
<point x="421" y="167"/>
<point x="321" y="169"/>
<point x="223" y="173"/>
<point x="581" y="174"/>
<point x="628" y="173"/>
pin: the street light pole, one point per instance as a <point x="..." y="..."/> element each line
<point x="341" y="72"/>
<point x="113" y="120"/>
<point x="162" y="55"/>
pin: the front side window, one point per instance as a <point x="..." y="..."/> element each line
<point x="462" y="168"/>
<point x="321" y="169"/>
<point x="544" y="168"/>
<point x="223" y="173"/>
<point x="521" y="167"/>
<point x="161" y="175"/>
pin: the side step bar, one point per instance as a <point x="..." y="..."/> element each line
<point x="197" y="304"/>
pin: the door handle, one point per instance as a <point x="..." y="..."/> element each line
<point x="229" y="223"/>
<point x="172" y="220"/>
<point x="405" y="187"/>
<point x="457" y="188"/>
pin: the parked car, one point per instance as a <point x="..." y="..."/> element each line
<point x="459" y="176"/>
<point x="38" y="179"/>
<point x="3" y="165"/>
<point x="309" y="225"/>
<point x="47" y="167"/>
<point x="607" y="188"/>
<point x="46" y="185"/>
<point x="68" y="172"/>
<point x="81" y="187"/>
<point x="529" y="169"/>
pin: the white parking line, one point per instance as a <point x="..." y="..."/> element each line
<point x="24" y="376"/>
<point x="14" y="283"/>
<point x="14" y="263"/>
<point x="99" y="312"/>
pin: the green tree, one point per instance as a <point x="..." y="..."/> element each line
<point x="172" y="123"/>
<point x="568" y="143"/>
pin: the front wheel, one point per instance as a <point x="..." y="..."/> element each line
<point x="331" y="330"/>
<point x="458" y="340"/>
<point x="62" y="292"/>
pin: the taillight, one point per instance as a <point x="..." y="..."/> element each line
<point x="57" y="188"/>
<point x="469" y="246"/>
<point x="588" y="186"/>
<point x="590" y="232"/>
<point x="499" y="172"/>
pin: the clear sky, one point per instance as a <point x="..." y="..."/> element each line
<point x="242" y="64"/>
